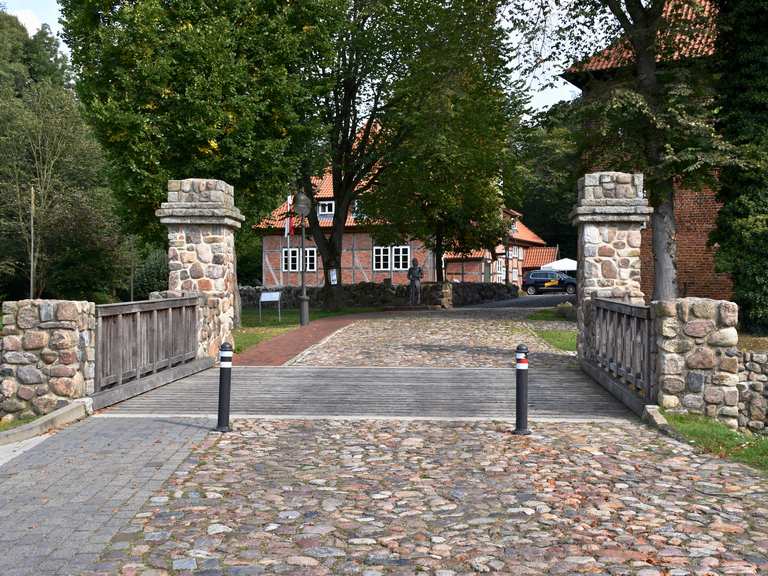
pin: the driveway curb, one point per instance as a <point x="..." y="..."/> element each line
<point x="73" y="412"/>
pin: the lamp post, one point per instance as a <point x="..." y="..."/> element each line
<point x="303" y="206"/>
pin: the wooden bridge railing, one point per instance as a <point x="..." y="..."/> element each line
<point x="620" y="353"/>
<point x="138" y="339"/>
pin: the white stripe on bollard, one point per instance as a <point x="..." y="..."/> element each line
<point x="226" y="364"/>
<point x="226" y="353"/>
<point x="521" y="366"/>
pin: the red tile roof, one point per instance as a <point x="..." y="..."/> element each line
<point x="471" y="255"/>
<point x="698" y="43"/>
<point x="537" y="256"/>
<point x="525" y="234"/>
<point x="324" y="190"/>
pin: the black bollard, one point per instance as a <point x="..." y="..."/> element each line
<point x="225" y="386"/>
<point x="521" y="390"/>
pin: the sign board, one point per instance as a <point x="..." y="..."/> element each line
<point x="332" y="276"/>
<point x="303" y="204"/>
<point x="270" y="297"/>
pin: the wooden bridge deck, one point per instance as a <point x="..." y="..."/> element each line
<point x="555" y="393"/>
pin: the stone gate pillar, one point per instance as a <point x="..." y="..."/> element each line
<point x="610" y="213"/>
<point x="202" y="219"/>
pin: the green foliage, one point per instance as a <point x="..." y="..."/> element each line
<point x="24" y="59"/>
<point x="248" y="248"/>
<point x="682" y="123"/>
<point x="46" y="147"/>
<point x="541" y="179"/>
<point x="742" y="226"/>
<point x="650" y="115"/>
<point x="151" y="275"/>
<point x="448" y="123"/>
<point x="716" y="438"/>
<point x="183" y="89"/>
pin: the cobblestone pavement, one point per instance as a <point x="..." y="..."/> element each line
<point x="406" y="498"/>
<point x="63" y="500"/>
<point x="466" y="338"/>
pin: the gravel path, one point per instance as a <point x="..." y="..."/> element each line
<point x="407" y="498"/>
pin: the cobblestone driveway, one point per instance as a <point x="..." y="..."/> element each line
<point x="467" y="338"/>
<point x="406" y="498"/>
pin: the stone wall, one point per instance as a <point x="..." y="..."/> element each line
<point x="610" y="214"/>
<point x="753" y="393"/>
<point x="48" y="354"/>
<point x="201" y="218"/>
<point x="697" y="359"/>
<point x="368" y="294"/>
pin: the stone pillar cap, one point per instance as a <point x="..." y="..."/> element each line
<point x="200" y="201"/>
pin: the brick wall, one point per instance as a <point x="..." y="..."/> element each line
<point x="696" y="212"/>
<point x="356" y="262"/>
<point x="471" y="271"/>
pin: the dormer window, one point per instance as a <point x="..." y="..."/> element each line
<point x="513" y="226"/>
<point x="326" y="208"/>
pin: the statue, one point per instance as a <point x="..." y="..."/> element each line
<point x="415" y="274"/>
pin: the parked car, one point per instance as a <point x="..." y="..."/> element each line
<point x="539" y="281"/>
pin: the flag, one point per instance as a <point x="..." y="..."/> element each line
<point x="289" y="217"/>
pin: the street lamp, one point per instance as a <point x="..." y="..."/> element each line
<point x="303" y="205"/>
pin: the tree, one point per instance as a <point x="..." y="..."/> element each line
<point x="180" y="89"/>
<point x="24" y="59"/>
<point x="50" y="170"/>
<point x="376" y="46"/>
<point x="742" y="225"/>
<point x="662" y="112"/>
<point x="441" y="183"/>
<point x="541" y="178"/>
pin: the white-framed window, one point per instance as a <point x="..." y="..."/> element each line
<point x="310" y="259"/>
<point x="514" y="275"/>
<point x="326" y="207"/>
<point x="401" y="257"/>
<point x="391" y="258"/>
<point x="291" y="259"/>
<point x="381" y="259"/>
<point x="521" y="253"/>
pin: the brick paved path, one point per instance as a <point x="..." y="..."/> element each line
<point x="371" y="498"/>
<point x="279" y="350"/>
<point x="63" y="500"/>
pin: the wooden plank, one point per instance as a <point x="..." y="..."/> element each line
<point x="621" y="308"/>
<point x="394" y="392"/>
<point x="119" y="349"/>
<point x="136" y="387"/>
<point x="154" y="341"/>
<point x="143" y="306"/>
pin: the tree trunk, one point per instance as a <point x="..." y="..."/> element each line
<point x="438" y="252"/>
<point x="333" y="296"/>
<point x="663" y="220"/>
<point x="665" y="250"/>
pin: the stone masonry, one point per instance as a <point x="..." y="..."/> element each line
<point x="697" y="360"/>
<point x="610" y="214"/>
<point x="48" y="354"/>
<point x="202" y="218"/>
<point x="753" y="393"/>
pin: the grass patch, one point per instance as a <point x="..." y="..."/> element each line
<point x="254" y="331"/>
<point x="562" y="339"/>
<point x="753" y="343"/>
<point x="16" y="423"/>
<point x="716" y="438"/>
<point x="549" y="314"/>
